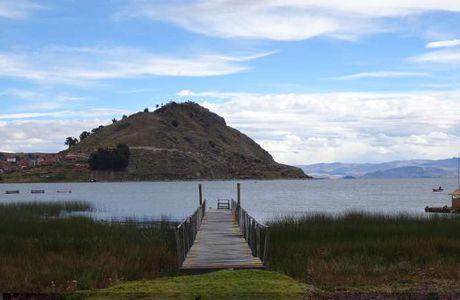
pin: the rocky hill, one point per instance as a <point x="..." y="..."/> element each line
<point x="184" y="141"/>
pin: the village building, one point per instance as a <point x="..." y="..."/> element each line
<point x="11" y="160"/>
<point x="455" y="198"/>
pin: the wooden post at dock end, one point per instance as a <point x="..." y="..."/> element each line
<point x="238" y="195"/>
<point x="200" y="192"/>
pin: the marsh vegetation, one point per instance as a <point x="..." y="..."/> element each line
<point x="360" y="249"/>
<point x="44" y="249"/>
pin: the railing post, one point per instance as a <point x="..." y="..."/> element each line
<point x="258" y="241"/>
<point x="178" y="247"/>
<point x="200" y="193"/>
<point x="254" y="237"/>
<point x="266" y="246"/>
<point x="238" y="193"/>
<point x="251" y="240"/>
<point x="183" y="241"/>
<point x="249" y="233"/>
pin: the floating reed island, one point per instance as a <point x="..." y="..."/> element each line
<point x="455" y="208"/>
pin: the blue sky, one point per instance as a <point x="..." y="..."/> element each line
<point x="311" y="81"/>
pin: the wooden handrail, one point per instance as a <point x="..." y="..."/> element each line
<point x="252" y="230"/>
<point x="186" y="231"/>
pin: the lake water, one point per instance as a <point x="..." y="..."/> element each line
<point x="263" y="199"/>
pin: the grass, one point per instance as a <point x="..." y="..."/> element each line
<point x="65" y="171"/>
<point x="244" y="284"/>
<point x="360" y="250"/>
<point x="41" y="252"/>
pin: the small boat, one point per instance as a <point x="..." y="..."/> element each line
<point x="64" y="192"/>
<point x="12" y="192"/>
<point x="439" y="189"/>
<point x="37" y="191"/>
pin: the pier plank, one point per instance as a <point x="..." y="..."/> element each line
<point x="219" y="244"/>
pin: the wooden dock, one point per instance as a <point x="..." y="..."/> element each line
<point x="223" y="238"/>
<point x="219" y="244"/>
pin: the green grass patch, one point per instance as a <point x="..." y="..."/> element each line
<point x="367" y="250"/>
<point x="242" y="284"/>
<point x="41" y="251"/>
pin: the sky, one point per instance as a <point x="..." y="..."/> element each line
<point x="310" y="81"/>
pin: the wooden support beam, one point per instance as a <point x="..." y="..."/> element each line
<point x="238" y="195"/>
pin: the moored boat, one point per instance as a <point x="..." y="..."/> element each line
<point x="12" y="192"/>
<point x="37" y="191"/>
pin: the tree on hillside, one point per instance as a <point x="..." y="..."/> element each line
<point x="114" y="120"/>
<point x="84" y="135"/>
<point x="110" y="159"/>
<point x="146" y="110"/>
<point x="123" y="150"/>
<point x="124" y="117"/>
<point x="70" y="141"/>
<point x="97" y="129"/>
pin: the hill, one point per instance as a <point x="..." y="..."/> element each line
<point x="183" y="141"/>
<point x="395" y="169"/>
<point x="408" y="172"/>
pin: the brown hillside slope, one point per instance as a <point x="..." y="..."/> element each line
<point x="185" y="141"/>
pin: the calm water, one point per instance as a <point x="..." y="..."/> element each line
<point x="264" y="199"/>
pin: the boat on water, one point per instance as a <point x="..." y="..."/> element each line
<point x="12" y="192"/>
<point x="455" y="196"/>
<point x="37" y="191"/>
<point x="64" y="192"/>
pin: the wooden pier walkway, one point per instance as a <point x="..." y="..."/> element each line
<point x="222" y="238"/>
<point x="219" y="244"/>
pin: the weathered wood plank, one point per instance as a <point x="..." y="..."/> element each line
<point x="219" y="244"/>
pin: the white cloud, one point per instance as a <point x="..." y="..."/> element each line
<point x="444" y="44"/>
<point x="381" y="74"/>
<point x="46" y="131"/>
<point x="283" y="19"/>
<point x="80" y="65"/>
<point x="451" y="56"/>
<point x="89" y="113"/>
<point x="17" y="9"/>
<point x="42" y="100"/>
<point x="40" y="135"/>
<point x="348" y="126"/>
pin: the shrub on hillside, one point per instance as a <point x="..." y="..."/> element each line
<point x="110" y="159"/>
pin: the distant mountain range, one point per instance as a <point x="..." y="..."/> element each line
<point x="443" y="168"/>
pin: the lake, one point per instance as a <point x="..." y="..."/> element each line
<point x="264" y="199"/>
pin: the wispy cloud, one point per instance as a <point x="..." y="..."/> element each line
<point x="41" y="135"/>
<point x="348" y="126"/>
<point x="42" y="100"/>
<point x="77" y="65"/>
<point x="380" y="74"/>
<point x="88" y="113"/>
<point x="17" y="9"/>
<point x="444" y="44"/>
<point x="282" y="20"/>
<point x="450" y="56"/>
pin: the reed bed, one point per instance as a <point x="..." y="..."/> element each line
<point x="41" y="251"/>
<point x="359" y="249"/>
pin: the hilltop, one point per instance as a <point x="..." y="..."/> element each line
<point x="183" y="141"/>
